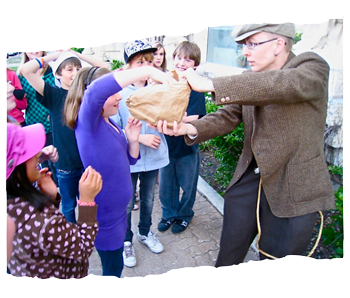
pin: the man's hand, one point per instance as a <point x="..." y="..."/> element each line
<point x="179" y="129"/>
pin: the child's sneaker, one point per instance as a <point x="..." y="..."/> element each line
<point x="151" y="241"/>
<point x="164" y="225"/>
<point x="179" y="226"/>
<point x="129" y="256"/>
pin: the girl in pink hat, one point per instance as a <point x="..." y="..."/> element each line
<point x="45" y="244"/>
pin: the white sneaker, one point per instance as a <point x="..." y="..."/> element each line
<point x="129" y="255"/>
<point x="151" y="241"/>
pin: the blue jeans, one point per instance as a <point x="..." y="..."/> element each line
<point x="148" y="182"/>
<point x="68" y="182"/>
<point x="48" y="163"/>
<point x="112" y="262"/>
<point x="179" y="173"/>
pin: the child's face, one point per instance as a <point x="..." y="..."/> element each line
<point x="158" y="57"/>
<point x="139" y="62"/>
<point x="111" y="105"/>
<point x="181" y="62"/>
<point x="33" y="171"/>
<point x="67" y="76"/>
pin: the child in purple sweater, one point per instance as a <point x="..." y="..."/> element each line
<point x="91" y="100"/>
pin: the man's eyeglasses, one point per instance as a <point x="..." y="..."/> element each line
<point x="252" y="45"/>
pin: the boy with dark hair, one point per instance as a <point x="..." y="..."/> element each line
<point x="183" y="169"/>
<point x="69" y="166"/>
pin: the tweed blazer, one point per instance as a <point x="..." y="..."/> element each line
<point x="284" y="115"/>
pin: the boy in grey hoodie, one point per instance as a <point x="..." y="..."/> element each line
<point x="154" y="155"/>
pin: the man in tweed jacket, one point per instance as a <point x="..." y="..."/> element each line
<point x="282" y="102"/>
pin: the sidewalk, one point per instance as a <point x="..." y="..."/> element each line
<point x="197" y="246"/>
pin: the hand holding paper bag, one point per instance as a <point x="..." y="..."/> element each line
<point x="160" y="102"/>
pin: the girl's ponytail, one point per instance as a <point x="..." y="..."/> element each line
<point x="76" y="92"/>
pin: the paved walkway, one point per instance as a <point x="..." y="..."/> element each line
<point x="197" y="246"/>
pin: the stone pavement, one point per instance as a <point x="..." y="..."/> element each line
<point x="197" y="246"/>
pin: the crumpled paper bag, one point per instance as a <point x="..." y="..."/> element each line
<point x="160" y="102"/>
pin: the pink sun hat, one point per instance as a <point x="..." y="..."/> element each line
<point x="22" y="144"/>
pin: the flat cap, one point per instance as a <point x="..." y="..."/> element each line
<point x="285" y="29"/>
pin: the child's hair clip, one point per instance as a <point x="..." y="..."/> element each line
<point x="89" y="75"/>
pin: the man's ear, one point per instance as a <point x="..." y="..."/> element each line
<point x="280" y="45"/>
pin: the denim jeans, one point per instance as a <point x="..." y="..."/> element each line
<point x="69" y="189"/>
<point x="48" y="163"/>
<point x="148" y="182"/>
<point x="179" y="173"/>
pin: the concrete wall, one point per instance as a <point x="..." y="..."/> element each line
<point x="326" y="39"/>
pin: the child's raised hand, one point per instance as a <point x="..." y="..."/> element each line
<point x="160" y="76"/>
<point x="46" y="184"/>
<point x="54" y="55"/>
<point x="90" y="184"/>
<point x="49" y="152"/>
<point x="198" y="83"/>
<point x="133" y="129"/>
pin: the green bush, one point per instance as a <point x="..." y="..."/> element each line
<point x="333" y="233"/>
<point x="116" y="64"/>
<point x="226" y="149"/>
<point x="79" y="50"/>
<point x="297" y="37"/>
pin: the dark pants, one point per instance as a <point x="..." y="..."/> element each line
<point x="68" y="181"/>
<point x="112" y="262"/>
<point x="148" y="182"/>
<point x="180" y="173"/>
<point x="279" y="236"/>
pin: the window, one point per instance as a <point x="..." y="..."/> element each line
<point x="222" y="49"/>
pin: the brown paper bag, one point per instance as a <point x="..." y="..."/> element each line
<point x="160" y="102"/>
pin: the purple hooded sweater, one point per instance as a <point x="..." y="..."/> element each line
<point x="106" y="150"/>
